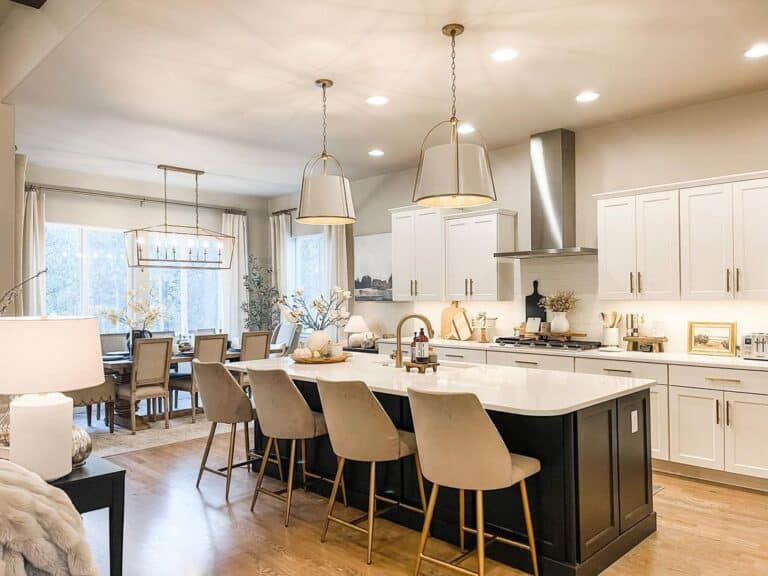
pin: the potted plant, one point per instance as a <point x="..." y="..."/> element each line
<point x="559" y="304"/>
<point x="261" y="311"/>
<point x="318" y="315"/>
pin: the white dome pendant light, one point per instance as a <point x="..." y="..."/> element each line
<point x="325" y="195"/>
<point x="454" y="166"/>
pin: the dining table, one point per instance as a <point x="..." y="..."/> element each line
<point x="120" y="364"/>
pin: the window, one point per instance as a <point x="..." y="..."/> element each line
<point x="307" y="266"/>
<point x="87" y="271"/>
<point x="189" y="299"/>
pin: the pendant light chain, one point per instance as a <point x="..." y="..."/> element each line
<point x="325" y="122"/>
<point x="453" y="76"/>
<point x="165" y="198"/>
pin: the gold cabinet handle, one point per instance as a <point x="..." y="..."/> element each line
<point x="454" y="355"/>
<point x="631" y="283"/>
<point x="415" y="287"/>
<point x="639" y="283"/>
<point x="526" y="363"/>
<point x="717" y="411"/>
<point x="471" y="286"/>
<point x="727" y="412"/>
<point x="466" y="290"/>
<point x="738" y="279"/>
<point x="411" y="287"/>
<point x="617" y="370"/>
<point x="728" y="280"/>
<point x="716" y="379"/>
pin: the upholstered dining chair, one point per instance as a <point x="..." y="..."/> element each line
<point x="225" y="403"/>
<point x="285" y="339"/>
<point x="253" y="346"/>
<point x="208" y="348"/>
<point x="460" y="447"/>
<point x="149" y="375"/>
<point x="361" y="430"/>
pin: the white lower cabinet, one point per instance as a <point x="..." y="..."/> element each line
<point x="453" y="354"/>
<point x="525" y="360"/>
<point x="696" y="427"/>
<point x="660" y="422"/>
<point x="746" y="430"/>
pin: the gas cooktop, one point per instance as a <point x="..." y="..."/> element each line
<point x="577" y="345"/>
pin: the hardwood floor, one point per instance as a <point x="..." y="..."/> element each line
<point x="172" y="528"/>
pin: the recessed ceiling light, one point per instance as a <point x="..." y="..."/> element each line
<point x="376" y="152"/>
<point x="377" y="100"/>
<point x="465" y="128"/>
<point x="504" y="54"/>
<point x="587" y="96"/>
<point x="757" y="50"/>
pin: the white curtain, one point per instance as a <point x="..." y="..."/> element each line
<point x="32" y="253"/>
<point x="280" y="235"/>
<point x="336" y="260"/>
<point x="232" y="292"/>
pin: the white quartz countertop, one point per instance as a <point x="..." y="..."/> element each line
<point x="499" y="388"/>
<point x="677" y="358"/>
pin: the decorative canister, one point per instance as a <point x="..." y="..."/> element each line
<point x="81" y="446"/>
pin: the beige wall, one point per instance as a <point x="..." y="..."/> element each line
<point x="722" y="137"/>
<point x="7" y="197"/>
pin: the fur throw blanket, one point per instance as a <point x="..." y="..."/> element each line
<point x="41" y="533"/>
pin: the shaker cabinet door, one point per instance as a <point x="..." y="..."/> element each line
<point x="482" y="264"/>
<point x="746" y="428"/>
<point x="428" y="255"/>
<point x="660" y="422"/>
<point x="658" y="246"/>
<point x="616" y="248"/>
<point x="706" y="242"/>
<point x="457" y="254"/>
<point x="750" y="215"/>
<point x="402" y="257"/>
<point x="696" y="427"/>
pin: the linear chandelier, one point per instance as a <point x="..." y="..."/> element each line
<point x="454" y="166"/>
<point x="325" y="196"/>
<point x="177" y="246"/>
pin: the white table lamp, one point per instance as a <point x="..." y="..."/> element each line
<point x="355" y="327"/>
<point x="39" y="359"/>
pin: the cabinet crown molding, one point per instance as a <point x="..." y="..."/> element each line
<point x="684" y="184"/>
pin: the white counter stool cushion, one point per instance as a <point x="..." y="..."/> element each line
<point x="149" y="375"/>
<point x="253" y="346"/>
<point x="361" y="430"/>
<point x="283" y="415"/>
<point x="225" y="403"/>
<point x="460" y="447"/>
<point x="208" y="348"/>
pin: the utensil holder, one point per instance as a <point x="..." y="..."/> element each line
<point x="611" y="337"/>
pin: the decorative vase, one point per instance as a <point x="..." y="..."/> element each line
<point x="318" y="341"/>
<point x="559" y="323"/>
<point x="134" y="335"/>
<point x="81" y="446"/>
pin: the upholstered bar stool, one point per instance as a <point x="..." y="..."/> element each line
<point x="361" y="430"/>
<point x="460" y="448"/>
<point x="284" y="415"/>
<point x="225" y="403"/>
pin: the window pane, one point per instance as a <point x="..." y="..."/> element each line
<point x="107" y="273"/>
<point x="202" y="299"/>
<point x="309" y="265"/>
<point x="63" y="281"/>
<point x="166" y="292"/>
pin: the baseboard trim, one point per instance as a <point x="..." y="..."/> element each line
<point x="712" y="476"/>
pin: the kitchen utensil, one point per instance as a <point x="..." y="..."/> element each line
<point x="446" y="320"/>
<point x="532" y="308"/>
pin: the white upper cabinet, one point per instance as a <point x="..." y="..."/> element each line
<point x="417" y="257"/>
<point x="471" y="239"/>
<point x="658" y="246"/>
<point x="750" y="215"/>
<point x="706" y="242"/>
<point x="616" y="248"/>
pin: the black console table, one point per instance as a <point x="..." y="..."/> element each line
<point x="96" y="485"/>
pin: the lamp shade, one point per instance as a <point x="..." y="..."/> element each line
<point x="325" y="199"/>
<point x="454" y="176"/>
<point x="355" y="324"/>
<point x="49" y="354"/>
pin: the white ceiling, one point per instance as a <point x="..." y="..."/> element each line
<point x="228" y="86"/>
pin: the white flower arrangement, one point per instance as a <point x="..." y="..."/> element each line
<point x="138" y="312"/>
<point x="320" y="313"/>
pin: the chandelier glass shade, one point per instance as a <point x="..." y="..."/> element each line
<point x="454" y="167"/>
<point x="179" y="246"/>
<point x="325" y="196"/>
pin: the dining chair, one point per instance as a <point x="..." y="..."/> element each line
<point x="149" y="375"/>
<point x="225" y="403"/>
<point x="208" y="348"/>
<point x="102" y="393"/>
<point x="285" y="339"/>
<point x="253" y="346"/>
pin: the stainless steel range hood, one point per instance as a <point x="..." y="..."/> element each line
<point x="553" y="198"/>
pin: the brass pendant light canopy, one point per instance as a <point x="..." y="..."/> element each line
<point x="454" y="168"/>
<point x="325" y="196"/>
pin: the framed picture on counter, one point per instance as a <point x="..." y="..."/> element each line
<point x="712" y="338"/>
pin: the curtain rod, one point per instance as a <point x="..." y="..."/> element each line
<point x="118" y="196"/>
<point x="286" y="211"/>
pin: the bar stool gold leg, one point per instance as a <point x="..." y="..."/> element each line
<point x="529" y="526"/>
<point x="205" y="453"/>
<point x="343" y="488"/>
<point x="247" y="444"/>
<point x="332" y="500"/>
<point x="232" y="432"/>
<point x="290" y="482"/>
<point x="371" y="510"/>
<point x="480" y="534"/>
<point x="425" y="528"/>
<point x="304" y="464"/>
<point x="279" y="460"/>
<point x="462" y="520"/>
<point x="420" y="480"/>
<point x="262" y="468"/>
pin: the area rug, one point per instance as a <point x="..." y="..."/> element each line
<point x="122" y="441"/>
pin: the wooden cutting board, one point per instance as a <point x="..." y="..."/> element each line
<point x="446" y="320"/>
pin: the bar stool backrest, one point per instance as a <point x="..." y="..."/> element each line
<point x="459" y="446"/>
<point x="223" y="399"/>
<point x="359" y="427"/>
<point x="281" y="409"/>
